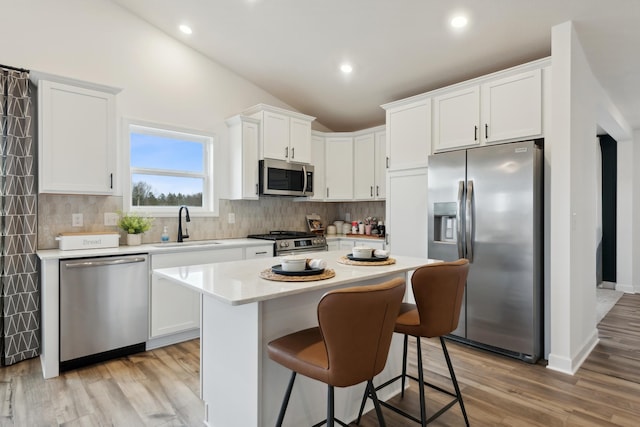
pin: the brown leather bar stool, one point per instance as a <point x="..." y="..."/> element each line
<point x="349" y="346"/>
<point x="438" y="290"/>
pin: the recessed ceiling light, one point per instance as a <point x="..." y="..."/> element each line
<point x="459" y="21"/>
<point x="346" y="68"/>
<point x="185" y="29"/>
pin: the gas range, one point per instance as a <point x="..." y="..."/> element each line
<point x="293" y="242"/>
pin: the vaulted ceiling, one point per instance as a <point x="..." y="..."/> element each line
<point x="398" y="48"/>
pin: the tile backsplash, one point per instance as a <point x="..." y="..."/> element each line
<point x="251" y="217"/>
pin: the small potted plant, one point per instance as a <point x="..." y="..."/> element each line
<point x="134" y="225"/>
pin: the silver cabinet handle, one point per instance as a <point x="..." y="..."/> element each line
<point x="486" y="131"/>
<point x="327" y="191"/>
<point x="377" y="190"/>
<point x="119" y="261"/>
<point x="371" y="190"/>
<point x="469" y="221"/>
<point x="286" y="152"/>
<point x="261" y="253"/>
<point x="460" y="239"/>
<point x="475" y="133"/>
<point x="293" y="152"/>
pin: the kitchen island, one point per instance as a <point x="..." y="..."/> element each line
<point x="242" y="312"/>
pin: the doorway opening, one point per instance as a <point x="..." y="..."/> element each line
<point x="607" y="256"/>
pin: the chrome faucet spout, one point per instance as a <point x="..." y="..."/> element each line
<point x="182" y="235"/>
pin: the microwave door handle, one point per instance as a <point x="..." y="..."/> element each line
<point x="304" y="181"/>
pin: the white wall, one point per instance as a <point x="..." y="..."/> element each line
<point x="573" y="205"/>
<point x="97" y="41"/>
<point x="578" y="105"/>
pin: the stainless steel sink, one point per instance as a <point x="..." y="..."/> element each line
<point x="193" y="243"/>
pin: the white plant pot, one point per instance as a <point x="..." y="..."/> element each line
<point x="134" y="239"/>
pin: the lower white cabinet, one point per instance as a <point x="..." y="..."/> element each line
<point x="369" y="243"/>
<point x="175" y="308"/>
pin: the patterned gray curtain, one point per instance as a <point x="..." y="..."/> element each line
<point x="20" y="289"/>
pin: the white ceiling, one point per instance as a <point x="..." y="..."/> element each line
<point x="399" y="48"/>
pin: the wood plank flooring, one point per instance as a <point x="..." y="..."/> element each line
<point x="160" y="387"/>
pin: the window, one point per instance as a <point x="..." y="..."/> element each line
<point x="169" y="168"/>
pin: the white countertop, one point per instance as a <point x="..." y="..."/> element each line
<point x="152" y="248"/>
<point x="238" y="282"/>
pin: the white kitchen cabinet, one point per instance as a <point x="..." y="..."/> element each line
<point x="244" y="136"/>
<point x="380" y="192"/>
<point x="338" y="168"/>
<point x="497" y="110"/>
<point x="265" y="251"/>
<point x="175" y="308"/>
<point x="407" y="212"/>
<point x="77" y="138"/>
<point x="364" y="155"/>
<point x="369" y="164"/>
<point x="408" y="135"/>
<point x="348" y="244"/>
<point x="512" y="107"/>
<point x="333" y="245"/>
<point x="284" y="135"/>
<point x="318" y="162"/>
<point x="456" y="119"/>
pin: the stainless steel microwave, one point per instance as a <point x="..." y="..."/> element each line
<point x="279" y="178"/>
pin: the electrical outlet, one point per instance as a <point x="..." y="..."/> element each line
<point x="110" y="218"/>
<point x="232" y="218"/>
<point x="77" y="220"/>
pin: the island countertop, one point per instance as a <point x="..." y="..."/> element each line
<point x="238" y="282"/>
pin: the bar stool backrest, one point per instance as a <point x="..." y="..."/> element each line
<point x="438" y="290"/>
<point x="357" y="326"/>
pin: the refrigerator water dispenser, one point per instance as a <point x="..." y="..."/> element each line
<point x="445" y="223"/>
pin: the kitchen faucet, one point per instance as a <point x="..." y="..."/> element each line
<point x="186" y="231"/>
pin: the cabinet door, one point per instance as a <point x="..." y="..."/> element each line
<point x="409" y="135"/>
<point x="339" y="168"/>
<point x="347" y="245"/>
<point x="407" y="220"/>
<point x="275" y="133"/>
<point x="300" y="141"/>
<point x="77" y="139"/>
<point x="512" y="107"/>
<point x="364" y="150"/>
<point x="175" y="308"/>
<point x="456" y="119"/>
<point x="317" y="160"/>
<point x="244" y="134"/>
<point x="380" y="166"/>
<point x="265" y="251"/>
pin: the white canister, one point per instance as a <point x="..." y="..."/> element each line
<point x="346" y="228"/>
<point x="361" y="228"/>
<point x="331" y="229"/>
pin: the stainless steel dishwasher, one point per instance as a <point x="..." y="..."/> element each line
<point x="103" y="308"/>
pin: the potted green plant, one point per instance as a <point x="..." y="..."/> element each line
<point x="134" y="225"/>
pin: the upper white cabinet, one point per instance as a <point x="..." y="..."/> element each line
<point x="408" y="133"/>
<point x="318" y="162"/>
<point x="285" y="135"/>
<point x="496" y="110"/>
<point x="77" y="138"/>
<point x="369" y="164"/>
<point x="381" y="165"/>
<point x="338" y="168"/>
<point x="244" y="136"/>
<point x="512" y="107"/>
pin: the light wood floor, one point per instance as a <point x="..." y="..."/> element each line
<point x="160" y="387"/>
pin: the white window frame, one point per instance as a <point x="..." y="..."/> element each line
<point x="209" y="193"/>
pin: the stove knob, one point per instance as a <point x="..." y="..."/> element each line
<point x="283" y="244"/>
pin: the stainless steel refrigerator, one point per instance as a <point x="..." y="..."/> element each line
<point x="485" y="204"/>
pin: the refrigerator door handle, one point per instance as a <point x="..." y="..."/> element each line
<point x="469" y="221"/>
<point x="460" y="239"/>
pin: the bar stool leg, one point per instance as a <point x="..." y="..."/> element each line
<point x="330" y="410"/>
<point x="404" y="365"/>
<point x="423" y="410"/>
<point x="376" y="404"/>
<point x="285" y="402"/>
<point x="454" y="380"/>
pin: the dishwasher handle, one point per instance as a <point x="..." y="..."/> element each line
<point x="118" y="261"/>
